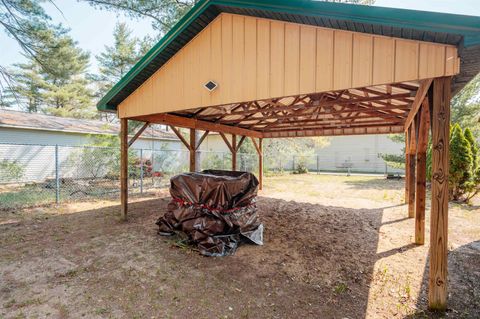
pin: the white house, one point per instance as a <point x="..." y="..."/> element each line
<point x="41" y="129"/>
<point x="359" y="153"/>
<point x="41" y="143"/>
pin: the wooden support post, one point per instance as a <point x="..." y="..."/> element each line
<point x="440" y="122"/>
<point x="412" y="136"/>
<point x="193" y="151"/>
<point x="260" y="164"/>
<point x="234" y="152"/>
<point x="407" y="166"/>
<point x="421" y="173"/>
<point x="258" y="147"/>
<point x="123" y="168"/>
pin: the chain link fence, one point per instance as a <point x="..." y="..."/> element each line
<point x="32" y="175"/>
<point x="339" y="162"/>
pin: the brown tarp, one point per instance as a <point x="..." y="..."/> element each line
<point x="215" y="209"/>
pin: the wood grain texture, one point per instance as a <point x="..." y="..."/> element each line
<point x="260" y="164"/>
<point x="123" y="168"/>
<point x="192" y="151"/>
<point x="421" y="173"/>
<point x="258" y="147"/>
<point x="419" y="98"/>
<point x="407" y="166"/>
<point x="437" y="294"/>
<point x="254" y="59"/>
<point x="185" y="122"/>
<point x="411" y="170"/>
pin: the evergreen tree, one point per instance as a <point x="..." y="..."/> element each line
<point x="118" y="59"/>
<point x="66" y="85"/>
<point x="59" y="85"/>
<point x="461" y="161"/>
<point x="25" y="90"/>
<point x="164" y="13"/>
<point x="473" y="147"/>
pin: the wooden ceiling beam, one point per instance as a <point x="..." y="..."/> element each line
<point x="372" y="110"/>
<point x="180" y="121"/>
<point x="341" y="101"/>
<point x="346" y="125"/>
<point x="326" y="120"/>
<point x="384" y="129"/>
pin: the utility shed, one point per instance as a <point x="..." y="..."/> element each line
<point x="296" y="68"/>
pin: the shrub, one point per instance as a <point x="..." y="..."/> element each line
<point x="301" y="169"/>
<point x="10" y="171"/>
<point x="461" y="162"/>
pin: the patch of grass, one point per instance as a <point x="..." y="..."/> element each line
<point x="29" y="302"/>
<point x="101" y="311"/>
<point x="10" y="303"/>
<point x="340" y="288"/>
<point x="30" y="195"/>
<point x="69" y="274"/>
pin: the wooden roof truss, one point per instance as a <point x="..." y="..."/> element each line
<point x="385" y="107"/>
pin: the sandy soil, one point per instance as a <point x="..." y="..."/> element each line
<point x="335" y="247"/>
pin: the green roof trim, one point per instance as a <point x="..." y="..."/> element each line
<point x="468" y="27"/>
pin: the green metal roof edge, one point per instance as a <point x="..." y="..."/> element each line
<point x="467" y="26"/>
<point x="404" y="18"/>
<point x="190" y="16"/>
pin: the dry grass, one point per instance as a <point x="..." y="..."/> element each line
<point x="335" y="247"/>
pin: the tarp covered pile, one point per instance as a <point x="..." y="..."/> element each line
<point x="215" y="209"/>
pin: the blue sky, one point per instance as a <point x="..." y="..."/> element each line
<point x="93" y="28"/>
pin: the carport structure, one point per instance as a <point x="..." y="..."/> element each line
<point x="278" y="68"/>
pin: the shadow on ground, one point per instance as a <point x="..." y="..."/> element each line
<point x="317" y="262"/>
<point x="463" y="285"/>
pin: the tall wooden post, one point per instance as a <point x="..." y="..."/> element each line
<point x="260" y="164"/>
<point x="123" y="168"/>
<point x="440" y="122"/>
<point x="407" y="165"/>
<point x="193" y="150"/>
<point x="234" y="152"/>
<point x="421" y="174"/>
<point x="412" y="136"/>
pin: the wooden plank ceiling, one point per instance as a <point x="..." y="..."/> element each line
<point x="369" y="110"/>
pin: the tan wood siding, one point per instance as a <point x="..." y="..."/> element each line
<point x="253" y="59"/>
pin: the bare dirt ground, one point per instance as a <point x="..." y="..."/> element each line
<point x="335" y="247"/>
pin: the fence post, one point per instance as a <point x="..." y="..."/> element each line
<point x="293" y="164"/>
<point x="153" y="166"/>
<point x="57" y="177"/>
<point x="141" y="171"/>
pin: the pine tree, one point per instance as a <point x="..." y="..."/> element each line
<point x="461" y="163"/>
<point x="118" y="59"/>
<point x="59" y="85"/>
<point x="25" y="90"/>
<point x="474" y="148"/>
<point x="66" y="85"/>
